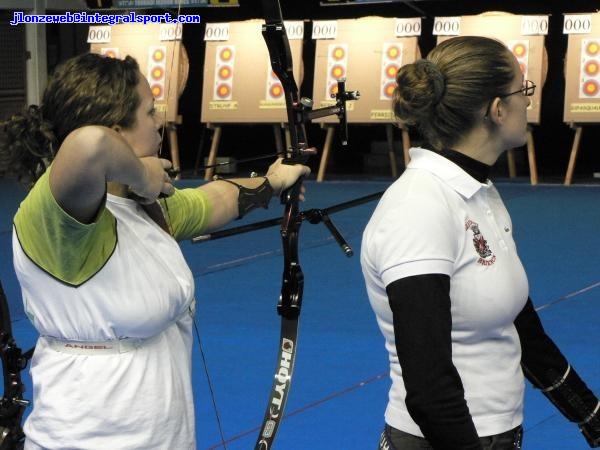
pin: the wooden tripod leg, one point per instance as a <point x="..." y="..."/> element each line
<point x="406" y="146"/>
<point x="389" y="134"/>
<point x="174" y="146"/>
<point x="199" y="152"/>
<point x="325" y="155"/>
<point x="533" y="174"/>
<point x="512" y="166"/>
<point x="573" y="157"/>
<point x="212" y="156"/>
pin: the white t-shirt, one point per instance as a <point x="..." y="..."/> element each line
<point x="436" y="219"/>
<point x="135" y="284"/>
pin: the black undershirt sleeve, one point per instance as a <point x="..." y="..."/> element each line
<point x="435" y="395"/>
<point x="539" y="353"/>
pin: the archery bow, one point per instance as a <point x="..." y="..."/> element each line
<point x="12" y="404"/>
<point x="290" y="301"/>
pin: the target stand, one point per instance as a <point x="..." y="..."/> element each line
<point x="582" y="78"/>
<point x="162" y="59"/>
<point x="239" y="85"/>
<point x="217" y="133"/>
<point x="367" y="53"/>
<point x="524" y="36"/>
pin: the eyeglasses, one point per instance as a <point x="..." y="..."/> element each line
<point x="527" y="90"/>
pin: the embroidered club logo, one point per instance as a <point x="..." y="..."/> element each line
<point x="486" y="257"/>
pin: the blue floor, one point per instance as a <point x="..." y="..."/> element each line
<point x="340" y="382"/>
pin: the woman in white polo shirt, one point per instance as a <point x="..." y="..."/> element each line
<point x="442" y="272"/>
<point x="96" y="254"/>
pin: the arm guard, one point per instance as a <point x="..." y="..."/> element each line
<point x="548" y="370"/>
<point x="574" y="400"/>
<point x="249" y="199"/>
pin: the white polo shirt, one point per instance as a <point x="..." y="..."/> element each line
<point x="437" y="219"/>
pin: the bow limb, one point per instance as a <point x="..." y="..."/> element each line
<point x="280" y="55"/>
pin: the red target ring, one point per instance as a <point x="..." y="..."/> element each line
<point x="592" y="48"/>
<point x="591" y="68"/>
<point x="157" y="90"/>
<point x="226" y="54"/>
<point x="158" y="55"/>
<point x="338" y="53"/>
<point x="338" y="71"/>
<point x="391" y="70"/>
<point x="225" y="72"/>
<point x="519" y="50"/>
<point x="157" y="73"/>
<point x="388" y="89"/>
<point x="276" y="90"/>
<point x="393" y="52"/>
<point x="223" y="90"/>
<point x="591" y="88"/>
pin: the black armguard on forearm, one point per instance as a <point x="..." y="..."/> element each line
<point x="548" y="370"/>
<point x="590" y="428"/>
<point x="576" y="402"/>
<point x="249" y="199"/>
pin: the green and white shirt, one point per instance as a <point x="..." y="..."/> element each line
<point x="121" y="276"/>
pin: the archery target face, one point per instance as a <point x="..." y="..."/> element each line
<point x="337" y="66"/>
<point x="157" y="70"/>
<point x="274" y="91"/>
<point x="589" y="69"/>
<point x="110" y="52"/>
<point x="520" y="48"/>
<point x="391" y="61"/>
<point x="224" y="68"/>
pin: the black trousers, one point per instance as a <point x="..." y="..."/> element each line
<point x="393" y="439"/>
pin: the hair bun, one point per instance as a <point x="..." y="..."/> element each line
<point x="421" y="86"/>
<point x="28" y="145"/>
<point x="435" y="77"/>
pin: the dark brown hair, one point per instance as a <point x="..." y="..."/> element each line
<point x="88" y="89"/>
<point x="442" y="96"/>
